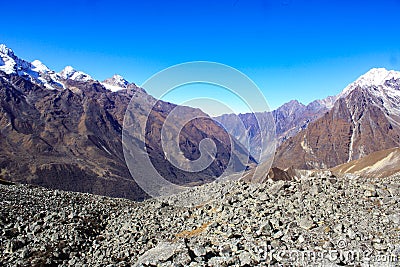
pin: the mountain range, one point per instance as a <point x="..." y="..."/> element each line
<point x="363" y="118"/>
<point x="63" y="129"/>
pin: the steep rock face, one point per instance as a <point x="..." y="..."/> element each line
<point x="363" y="120"/>
<point x="312" y="147"/>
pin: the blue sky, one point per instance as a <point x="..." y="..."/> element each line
<point x="291" y="49"/>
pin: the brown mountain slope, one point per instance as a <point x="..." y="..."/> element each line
<point x="61" y="139"/>
<point x="358" y="124"/>
<point x="71" y="139"/>
<point x="378" y="164"/>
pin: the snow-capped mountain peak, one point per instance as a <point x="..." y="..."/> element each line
<point x="70" y="73"/>
<point x="383" y="89"/>
<point x="67" y="72"/>
<point x="374" y="77"/>
<point x="327" y="102"/>
<point x="115" y="83"/>
<point x="117" y="80"/>
<point x="6" y="51"/>
<point x="10" y="63"/>
<point x="40" y="67"/>
<point x="36" y="71"/>
<point x="377" y="76"/>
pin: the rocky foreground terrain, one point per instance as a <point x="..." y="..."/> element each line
<point x="317" y="220"/>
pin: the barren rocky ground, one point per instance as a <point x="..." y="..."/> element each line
<point x="317" y="220"/>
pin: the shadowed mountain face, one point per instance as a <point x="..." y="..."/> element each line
<point x="71" y="139"/>
<point x="363" y="120"/>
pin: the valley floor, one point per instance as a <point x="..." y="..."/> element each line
<point x="316" y="220"/>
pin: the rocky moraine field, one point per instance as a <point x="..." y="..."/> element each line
<point x="315" y="220"/>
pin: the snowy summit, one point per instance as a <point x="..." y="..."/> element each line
<point x="36" y="71"/>
<point x="116" y="83"/>
<point x="70" y="73"/>
<point x="374" y="77"/>
<point x="40" y="67"/>
<point x="9" y="63"/>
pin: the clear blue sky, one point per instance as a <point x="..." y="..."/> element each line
<point x="292" y="49"/>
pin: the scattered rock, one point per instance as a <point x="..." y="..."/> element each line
<point x="275" y="187"/>
<point x="306" y="223"/>
<point x="161" y="253"/>
<point x="245" y="258"/>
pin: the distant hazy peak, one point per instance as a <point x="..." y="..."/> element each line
<point x="293" y="103"/>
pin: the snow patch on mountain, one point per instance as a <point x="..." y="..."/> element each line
<point x="112" y="88"/>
